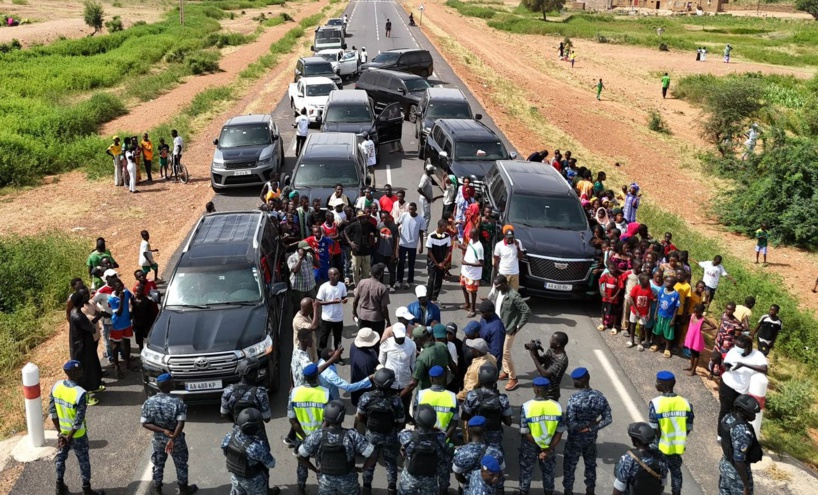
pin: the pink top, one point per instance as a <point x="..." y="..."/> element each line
<point x="694" y="339"/>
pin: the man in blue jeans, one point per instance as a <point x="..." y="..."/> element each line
<point x="411" y="228"/>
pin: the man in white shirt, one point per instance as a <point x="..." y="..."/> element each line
<point x="713" y="271"/>
<point x="740" y="364"/>
<point x="507" y="254"/>
<point x="471" y="271"/>
<point x="302" y="128"/>
<point x="369" y="151"/>
<point x="332" y="295"/>
<point x="411" y="227"/>
<point x="178" y="144"/>
<point x="426" y="192"/>
<point x="398" y="354"/>
<point x="146" y="260"/>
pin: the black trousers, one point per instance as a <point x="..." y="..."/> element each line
<point x="435" y="281"/>
<point x="336" y="328"/>
<point x="299" y="144"/>
<point x="726" y="398"/>
<point x="390" y="266"/>
<point x="377" y="326"/>
<point x="148" y="167"/>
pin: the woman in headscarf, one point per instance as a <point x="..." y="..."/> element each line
<point x="465" y="199"/>
<point x="472" y="216"/>
<point x="602" y="217"/>
<point x="83" y="338"/>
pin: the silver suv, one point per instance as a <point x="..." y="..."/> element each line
<point x="248" y="151"/>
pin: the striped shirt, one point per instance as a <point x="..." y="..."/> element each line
<point x="439" y="246"/>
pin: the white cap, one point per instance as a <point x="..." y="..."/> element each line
<point x="399" y="330"/>
<point x="110" y="272"/>
<point x="430" y="167"/>
<point x="420" y="291"/>
<point x="403" y="312"/>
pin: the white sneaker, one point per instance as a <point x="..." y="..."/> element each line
<point x="392" y="288"/>
<point x="640" y="347"/>
<point x="629" y="344"/>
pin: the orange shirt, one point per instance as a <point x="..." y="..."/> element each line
<point x="147" y="150"/>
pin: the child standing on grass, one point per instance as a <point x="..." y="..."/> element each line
<point x="694" y="341"/>
<point x="761" y="241"/>
<point x="599" y="88"/>
<point x="768" y="329"/>
<point x="611" y="287"/>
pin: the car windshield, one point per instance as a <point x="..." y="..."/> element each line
<point x="335" y="22"/>
<point x="328" y="35"/>
<point x="547" y="212"/>
<point x="329" y="57"/>
<point x="348" y="114"/>
<point x="235" y="136"/>
<point x="222" y="284"/>
<point x="480" y="150"/>
<point x="316" y="69"/>
<point x="320" y="89"/>
<point x="417" y="85"/>
<point x="449" y="110"/>
<point x="326" y="174"/>
<point x="386" y="58"/>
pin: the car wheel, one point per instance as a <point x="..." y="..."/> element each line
<point x="412" y="117"/>
<point x="424" y="73"/>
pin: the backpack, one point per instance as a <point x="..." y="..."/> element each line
<point x="423" y="462"/>
<point x="245" y="400"/>
<point x="332" y="455"/>
<point x="648" y="481"/>
<point x="380" y="418"/>
<point x="490" y="408"/>
<point x="754" y="453"/>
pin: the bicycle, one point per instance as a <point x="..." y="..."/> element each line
<point x="179" y="170"/>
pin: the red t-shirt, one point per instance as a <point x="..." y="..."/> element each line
<point x="610" y="285"/>
<point x="331" y="232"/>
<point x="149" y="286"/>
<point x="556" y="164"/>
<point x="641" y="298"/>
<point x="669" y="248"/>
<point x="386" y="202"/>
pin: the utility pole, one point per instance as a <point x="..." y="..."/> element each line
<point x="421" y="8"/>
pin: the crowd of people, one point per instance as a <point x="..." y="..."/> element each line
<point x="130" y="155"/>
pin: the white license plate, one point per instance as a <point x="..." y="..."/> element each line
<point x="563" y="287"/>
<point x="242" y="172"/>
<point x="209" y="385"/>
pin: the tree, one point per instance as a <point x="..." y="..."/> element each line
<point x="808" y="6"/>
<point x="94" y="15"/>
<point x="729" y="106"/>
<point x="546" y="6"/>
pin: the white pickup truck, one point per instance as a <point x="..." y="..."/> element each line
<point x="345" y="63"/>
<point x="310" y="93"/>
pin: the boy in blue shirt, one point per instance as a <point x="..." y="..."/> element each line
<point x="666" y="308"/>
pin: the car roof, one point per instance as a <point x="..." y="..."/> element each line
<point x="439" y="94"/>
<point x="348" y="96"/>
<point x="400" y="75"/>
<point x="405" y="50"/>
<point x="325" y="145"/>
<point x="533" y="177"/>
<point x="224" y="235"/>
<point x="314" y="60"/>
<point x="328" y="28"/>
<point x="466" y="129"/>
<point x="317" y="80"/>
<point x="257" y="118"/>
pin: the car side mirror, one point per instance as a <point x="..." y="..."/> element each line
<point x="401" y="91"/>
<point x="301" y="94"/>
<point x="318" y="119"/>
<point x="155" y="296"/>
<point x="513" y="155"/>
<point x="297" y="72"/>
<point x="443" y="155"/>
<point x="478" y="116"/>
<point x="344" y="46"/>
<point x="216" y="142"/>
<point x="312" y="47"/>
<point x="278" y="288"/>
<point x="286" y="180"/>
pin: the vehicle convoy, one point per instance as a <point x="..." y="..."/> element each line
<point x="439" y="103"/>
<point x="315" y="67"/>
<point x="344" y="63"/>
<point x="352" y="111"/>
<point x="551" y="224"/>
<point x="337" y="22"/>
<point x="412" y="60"/>
<point x="327" y="37"/>
<point x="387" y="86"/>
<point x="464" y="147"/>
<point x="310" y="94"/>
<point x="224" y="304"/>
<point x="248" y="150"/>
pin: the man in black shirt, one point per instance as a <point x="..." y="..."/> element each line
<point x="361" y="236"/>
<point x="439" y="245"/>
<point x="388" y="28"/>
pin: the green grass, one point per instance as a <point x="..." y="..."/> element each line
<point x="471" y="10"/>
<point x="241" y="4"/>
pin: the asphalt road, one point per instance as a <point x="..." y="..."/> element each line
<point x="121" y="449"/>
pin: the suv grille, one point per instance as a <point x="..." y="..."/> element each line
<point x="204" y="366"/>
<point x="234" y="166"/>
<point x="558" y="270"/>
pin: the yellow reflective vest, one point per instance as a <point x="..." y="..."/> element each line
<point x="671" y="414"/>
<point x="444" y="404"/>
<point x="308" y="405"/>
<point x="66" y="400"/>
<point x="542" y="418"/>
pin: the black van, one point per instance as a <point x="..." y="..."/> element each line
<point x="224" y="304"/>
<point x="412" y="60"/>
<point x="389" y="86"/>
<point x="351" y="110"/>
<point x="439" y="103"/>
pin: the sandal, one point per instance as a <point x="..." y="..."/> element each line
<point x="668" y="354"/>
<point x="119" y="374"/>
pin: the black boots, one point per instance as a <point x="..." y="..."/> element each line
<point x="62" y="489"/>
<point x="187" y="489"/>
<point x="366" y="490"/>
<point x="156" y="488"/>
<point x="86" y="490"/>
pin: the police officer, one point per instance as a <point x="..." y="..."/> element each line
<point x="383" y="414"/>
<point x="587" y="412"/>
<point x="541" y="426"/>
<point x="740" y="447"/>
<point x="246" y="394"/>
<point x="467" y="458"/>
<point x="672" y="418"/>
<point x="335" y="448"/>
<point x="442" y="401"/>
<point x="165" y="416"/>
<point x="66" y="406"/>
<point x="641" y="470"/>
<point x="487" y="401"/>
<point x="484" y="481"/>
<point x="305" y="411"/>
<point x="248" y="455"/>
<point x="423" y="450"/>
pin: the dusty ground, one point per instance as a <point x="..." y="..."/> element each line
<point x="51" y="19"/>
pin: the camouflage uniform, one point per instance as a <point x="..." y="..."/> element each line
<point x="261" y="399"/>
<point x="470" y="408"/>
<point x="529" y="456"/>
<point x="78" y="445"/>
<point x="729" y="481"/>
<point x="584" y="407"/>
<point x="627" y="468"/>
<point x="258" y="452"/>
<point x="355" y="443"/>
<point x="477" y="486"/>
<point x="467" y="460"/>
<point x="385" y="443"/>
<point x="165" y="411"/>
<point x="444" y="482"/>
<point x="416" y="485"/>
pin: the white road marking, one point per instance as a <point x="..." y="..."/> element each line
<point x="388" y="174"/>
<point x="147" y="477"/>
<point x="377" y="29"/>
<point x="630" y="405"/>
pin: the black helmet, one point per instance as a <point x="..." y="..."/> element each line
<point x="334" y="412"/>
<point x="487" y="375"/>
<point x="747" y="403"/>
<point x="384" y="378"/>
<point x="249" y="421"/>
<point x="642" y="432"/>
<point x="426" y="417"/>
<point x="248" y="366"/>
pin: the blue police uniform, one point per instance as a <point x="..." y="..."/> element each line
<point x="471" y="407"/>
<point x="584" y="408"/>
<point x="627" y="468"/>
<point x="165" y="411"/>
<point x="258" y="454"/>
<point x="672" y="416"/>
<point x="741" y="438"/>
<point x="477" y="485"/>
<point x="260" y="398"/>
<point x="387" y="443"/>
<point x="78" y="407"/>
<point x="467" y="458"/>
<point x="543" y="419"/>
<point x="354" y="443"/>
<point x="422" y="485"/>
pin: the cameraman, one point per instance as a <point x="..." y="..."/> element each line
<point x="553" y="363"/>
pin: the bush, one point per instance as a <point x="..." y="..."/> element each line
<point x="471" y="10"/>
<point x="728" y="107"/>
<point x="663" y="47"/>
<point x="790" y="404"/>
<point x="114" y="25"/>
<point x="657" y="123"/>
<point x="220" y="40"/>
<point x="93" y="14"/>
<point x="14" y="44"/>
<point x="202" y="61"/>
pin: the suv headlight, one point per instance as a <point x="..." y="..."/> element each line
<point x="261" y="349"/>
<point x="154" y="358"/>
<point x="218" y="164"/>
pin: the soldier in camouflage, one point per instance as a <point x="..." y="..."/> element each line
<point x="165" y="416"/>
<point x="587" y="413"/>
<point x="246" y="392"/>
<point x="541" y="427"/>
<point x="423" y="450"/>
<point x="740" y="447"/>
<point x="483" y="481"/>
<point x="335" y="448"/>
<point x="642" y="469"/>
<point x="486" y="401"/>
<point x="382" y="413"/>
<point x="468" y="457"/>
<point x="248" y="455"/>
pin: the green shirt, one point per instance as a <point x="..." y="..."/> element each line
<point x="94" y="260"/>
<point x="761" y="238"/>
<point x="665" y="81"/>
<point x="434" y="354"/>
